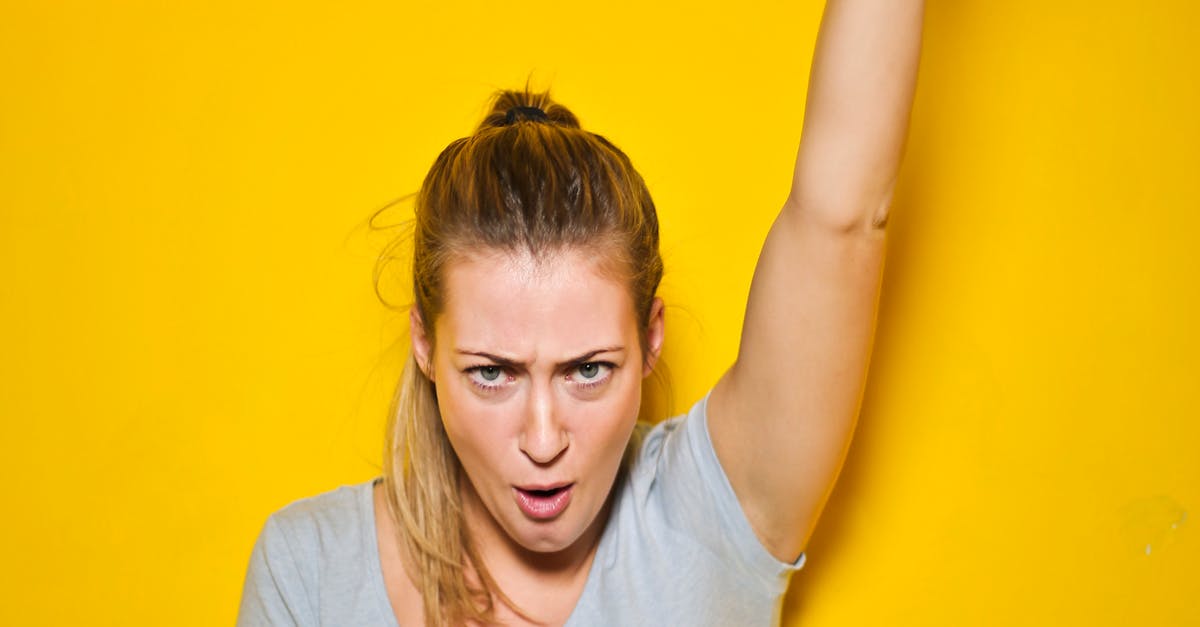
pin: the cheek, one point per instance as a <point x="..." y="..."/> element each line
<point x="472" y="428"/>
<point x="607" y="424"/>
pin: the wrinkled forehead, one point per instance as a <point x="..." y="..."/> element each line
<point x="555" y="301"/>
<point x="599" y="257"/>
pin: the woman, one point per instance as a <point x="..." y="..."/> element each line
<point x="518" y="487"/>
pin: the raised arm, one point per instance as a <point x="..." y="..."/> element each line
<point x="781" y="418"/>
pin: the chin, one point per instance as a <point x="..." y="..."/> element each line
<point x="546" y="537"/>
<point x="555" y="536"/>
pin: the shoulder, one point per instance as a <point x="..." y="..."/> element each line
<point x="320" y="529"/>
<point x="679" y="475"/>
<point x="329" y="532"/>
<point x="312" y="558"/>
<point x="679" y="441"/>
<point x="676" y="518"/>
<point x="338" y="510"/>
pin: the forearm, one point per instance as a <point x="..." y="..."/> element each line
<point x="859" y="99"/>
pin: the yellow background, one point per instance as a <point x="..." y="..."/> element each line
<point x="190" y="339"/>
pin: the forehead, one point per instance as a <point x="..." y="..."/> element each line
<point x="555" y="304"/>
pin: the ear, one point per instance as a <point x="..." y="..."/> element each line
<point x="420" y="342"/>
<point x="655" y="332"/>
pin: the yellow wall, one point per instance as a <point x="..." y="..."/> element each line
<point x="190" y="339"/>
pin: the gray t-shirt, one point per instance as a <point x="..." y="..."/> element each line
<point x="677" y="550"/>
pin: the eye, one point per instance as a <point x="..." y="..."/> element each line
<point x="591" y="373"/>
<point x="487" y="378"/>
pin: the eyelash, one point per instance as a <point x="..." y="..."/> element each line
<point x="475" y="370"/>
<point x="600" y="379"/>
<point x="585" y="384"/>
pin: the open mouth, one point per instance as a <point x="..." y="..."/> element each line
<point x="543" y="503"/>
<point x="545" y="493"/>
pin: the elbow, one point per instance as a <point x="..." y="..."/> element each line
<point x="847" y="208"/>
<point x="843" y="218"/>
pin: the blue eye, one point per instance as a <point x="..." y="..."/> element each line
<point x="592" y="373"/>
<point x="488" y="378"/>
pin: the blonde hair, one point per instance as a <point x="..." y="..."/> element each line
<point x="528" y="178"/>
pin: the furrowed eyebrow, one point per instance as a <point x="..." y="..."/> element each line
<point x="584" y="358"/>
<point x="512" y="363"/>
<point x="500" y="361"/>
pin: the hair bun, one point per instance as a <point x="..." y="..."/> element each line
<point x="511" y="106"/>
<point x="533" y="114"/>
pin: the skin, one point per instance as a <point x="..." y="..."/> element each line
<point x="782" y="416"/>
<point x="538" y="368"/>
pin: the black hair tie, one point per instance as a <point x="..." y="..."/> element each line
<point x="528" y="113"/>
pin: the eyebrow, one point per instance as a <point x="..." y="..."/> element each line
<point x="512" y="363"/>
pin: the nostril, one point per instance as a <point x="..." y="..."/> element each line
<point x="544" y="451"/>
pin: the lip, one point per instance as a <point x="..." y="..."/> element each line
<point x="543" y="507"/>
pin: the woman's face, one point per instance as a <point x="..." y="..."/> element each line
<point x="538" y="372"/>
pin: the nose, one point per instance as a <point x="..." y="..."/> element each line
<point x="543" y="436"/>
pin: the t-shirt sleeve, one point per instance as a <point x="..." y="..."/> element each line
<point x="276" y="591"/>
<point x="699" y="501"/>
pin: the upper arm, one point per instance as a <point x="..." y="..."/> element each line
<point x="782" y="415"/>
